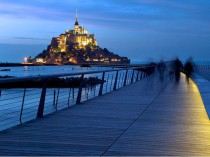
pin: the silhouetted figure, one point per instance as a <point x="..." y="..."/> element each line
<point x="171" y="70"/>
<point x="178" y="67"/>
<point x="161" y="69"/>
<point x="188" y="68"/>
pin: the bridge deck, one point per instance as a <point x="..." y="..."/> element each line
<point x="145" y="118"/>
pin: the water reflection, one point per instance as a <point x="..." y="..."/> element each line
<point x="46" y="70"/>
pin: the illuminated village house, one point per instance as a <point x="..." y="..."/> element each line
<point x="39" y="60"/>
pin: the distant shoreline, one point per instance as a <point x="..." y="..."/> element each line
<point x="22" y="64"/>
<point x="32" y="64"/>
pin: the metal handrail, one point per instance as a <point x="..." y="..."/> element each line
<point x="110" y="82"/>
<point x="19" y="79"/>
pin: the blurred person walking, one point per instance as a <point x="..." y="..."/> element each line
<point x="178" y="67"/>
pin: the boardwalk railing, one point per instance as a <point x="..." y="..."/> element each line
<point x="19" y="105"/>
<point x="203" y="70"/>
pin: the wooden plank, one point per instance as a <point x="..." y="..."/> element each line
<point x="145" y="118"/>
<point x="175" y="124"/>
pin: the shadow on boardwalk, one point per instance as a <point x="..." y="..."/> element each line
<point x="145" y="118"/>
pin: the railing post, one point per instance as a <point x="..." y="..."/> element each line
<point x="42" y="100"/>
<point x="115" y="83"/>
<point x="144" y="74"/>
<point x="69" y="97"/>
<point x="88" y="91"/>
<point x="132" y="76"/>
<point x="111" y="82"/>
<point x="107" y="82"/>
<point x="54" y="96"/>
<point x="80" y="90"/>
<point x="102" y="83"/>
<point x="141" y="77"/>
<point x="119" y="81"/>
<point x="56" y="104"/>
<point x="73" y="92"/>
<point x="125" y="80"/>
<point x="21" y="112"/>
<point x="137" y="77"/>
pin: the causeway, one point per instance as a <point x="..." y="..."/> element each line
<point x="149" y="117"/>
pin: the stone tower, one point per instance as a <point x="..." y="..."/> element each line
<point x="76" y="25"/>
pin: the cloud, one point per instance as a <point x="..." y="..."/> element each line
<point x="107" y="12"/>
<point x="113" y="21"/>
<point x="28" y="11"/>
<point x="117" y="14"/>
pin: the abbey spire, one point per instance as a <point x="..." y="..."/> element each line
<point x="76" y="23"/>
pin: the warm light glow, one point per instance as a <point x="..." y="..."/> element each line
<point x="95" y="60"/>
<point x="25" y="59"/>
<point x="73" y="60"/>
<point x="115" y="60"/>
<point x="39" y="60"/>
<point x="195" y="93"/>
<point x="198" y="96"/>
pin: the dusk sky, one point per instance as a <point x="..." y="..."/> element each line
<point x="138" y="29"/>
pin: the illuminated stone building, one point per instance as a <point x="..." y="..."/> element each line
<point x="78" y="36"/>
<point x="77" y="46"/>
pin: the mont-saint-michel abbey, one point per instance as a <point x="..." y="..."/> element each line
<point x="77" y="46"/>
<point x="79" y="35"/>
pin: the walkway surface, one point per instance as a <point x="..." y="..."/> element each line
<point x="146" y="118"/>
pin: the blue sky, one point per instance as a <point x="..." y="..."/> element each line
<point x="139" y="29"/>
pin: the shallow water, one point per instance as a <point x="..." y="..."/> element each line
<point x="46" y="70"/>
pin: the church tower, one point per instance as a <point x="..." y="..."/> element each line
<point x="76" y="25"/>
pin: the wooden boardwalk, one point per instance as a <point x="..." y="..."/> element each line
<point x="146" y="118"/>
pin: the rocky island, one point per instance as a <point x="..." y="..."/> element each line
<point x="77" y="46"/>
